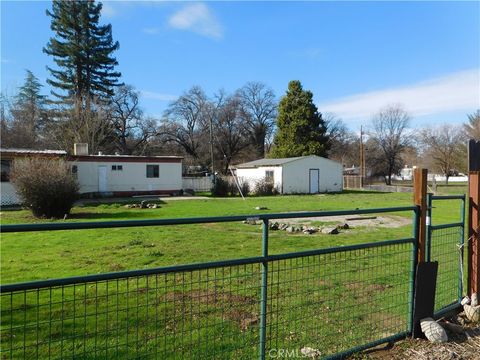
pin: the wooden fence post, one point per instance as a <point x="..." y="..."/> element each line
<point x="420" y="199"/>
<point x="473" y="217"/>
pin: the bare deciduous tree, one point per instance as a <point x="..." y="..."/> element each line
<point x="185" y="121"/>
<point x="443" y="145"/>
<point x="389" y="135"/>
<point x="229" y="130"/>
<point x="344" y="144"/>
<point x="259" y="110"/>
<point x="131" y="129"/>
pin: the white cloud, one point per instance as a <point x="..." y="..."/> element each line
<point x="158" y="96"/>
<point x="458" y="91"/>
<point x="5" y="61"/>
<point x="198" y="18"/>
<point x="151" y="30"/>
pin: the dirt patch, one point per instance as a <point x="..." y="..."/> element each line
<point x="368" y="287"/>
<point x="244" y="319"/>
<point x="385" y="221"/>
<point x="234" y="307"/>
<point x="210" y="297"/>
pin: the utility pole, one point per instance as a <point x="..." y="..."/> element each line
<point x="362" y="159"/>
<point x="211" y="145"/>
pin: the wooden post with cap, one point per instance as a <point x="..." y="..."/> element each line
<point x="473" y="217"/>
<point x="420" y="199"/>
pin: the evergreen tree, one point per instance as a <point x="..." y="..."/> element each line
<point x="82" y="50"/>
<point x="29" y="114"/>
<point x="301" y="130"/>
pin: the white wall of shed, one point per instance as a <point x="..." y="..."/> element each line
<point x="253" y="175"/>
<point x="296" y="175"/>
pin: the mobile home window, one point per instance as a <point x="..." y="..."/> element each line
<point x="152" y="171"/>
<point x="117" y="167"/>
<point x="6" y="164"/>
<point x="269" y="175"/>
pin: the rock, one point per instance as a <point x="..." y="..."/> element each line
<point x="144" y="204"/>
<point x="283" y="226"/>
<point x="310" y="352"/>
<point x="290" y="229"/>
<point x="472" y="312"/>
<point x="261" y="208"/>
<point x="474" y="299"/>
<point x="310" y="230"/>
<point x="330" y="230"/>
<point x="251" y="222"/>
<point x="433" y="331"/>
<point x="273" y="226"/>
<point x="343" y="226"/>
<point x="465" y="300"/>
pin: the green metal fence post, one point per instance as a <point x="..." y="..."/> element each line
<point x="429" y="227"/>
<point x="263" y="302"/>
<point x="413" y="269"/>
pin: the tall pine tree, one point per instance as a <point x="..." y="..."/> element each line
<point x="28" y="114"/>
<point x="301" y="130"/>
<point x="82" y="50"/>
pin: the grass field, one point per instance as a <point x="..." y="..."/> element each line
<point x="329" y="302"/>
<point x="25" y="256"/>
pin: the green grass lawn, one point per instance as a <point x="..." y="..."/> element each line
<point x="330" y="302"/>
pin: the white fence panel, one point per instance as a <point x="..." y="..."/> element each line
<point x="197" y="183"/>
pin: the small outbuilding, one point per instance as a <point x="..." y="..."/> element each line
<point x="296" y="175"/>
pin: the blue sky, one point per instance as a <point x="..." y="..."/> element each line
<point x="356" y="57"/>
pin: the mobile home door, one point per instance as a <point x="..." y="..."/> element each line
<point x="102" y="179"/>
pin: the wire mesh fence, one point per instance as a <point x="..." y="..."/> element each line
<point x="445" y="248"/>
<point x="331" y="300"/>
<point x="338" y="301"/>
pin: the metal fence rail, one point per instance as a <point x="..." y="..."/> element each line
<point x="445" y="245"/>
<point x="337" y="300"/>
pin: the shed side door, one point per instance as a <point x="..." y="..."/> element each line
<point x="314" y="180"/>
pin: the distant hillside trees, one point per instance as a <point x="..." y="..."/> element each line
<point x="300" y="127"/>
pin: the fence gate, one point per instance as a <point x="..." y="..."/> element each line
<point x="445" y="245"/>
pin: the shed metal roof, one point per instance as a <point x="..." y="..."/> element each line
<point x="268" y="162"/>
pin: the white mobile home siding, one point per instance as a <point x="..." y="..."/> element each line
<point x="131" y="178"/>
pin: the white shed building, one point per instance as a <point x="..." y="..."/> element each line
<point x="297" y="175"/>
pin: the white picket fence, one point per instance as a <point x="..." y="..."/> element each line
<point x="197" y="183"/>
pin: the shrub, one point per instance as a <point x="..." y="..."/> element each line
<point x="245" y="187"/>
<point x="46" y="186"/>
<point x="226" y="186"/>
<point x="221" y="187"/>
<point x="263" y="187"/>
